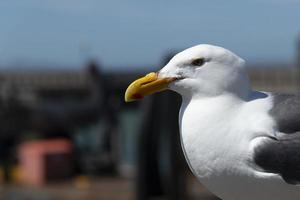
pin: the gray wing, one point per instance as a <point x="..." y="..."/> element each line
<point x="281" y="155"/>
<point x="286" y="112"/>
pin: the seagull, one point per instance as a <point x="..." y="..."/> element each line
<point x="241" y="144"/>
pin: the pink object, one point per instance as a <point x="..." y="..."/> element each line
<point x="45" y="160"/>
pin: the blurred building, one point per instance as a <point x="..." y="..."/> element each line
<point x="86" y="108"/>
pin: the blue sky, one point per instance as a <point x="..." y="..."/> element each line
<point x="132" y="33"/>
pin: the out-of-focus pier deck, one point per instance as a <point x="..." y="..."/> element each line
<point x="105" y="188"/>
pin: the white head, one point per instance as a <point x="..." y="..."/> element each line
<point x="206" y="70"/>
<point x="200" y="71"/>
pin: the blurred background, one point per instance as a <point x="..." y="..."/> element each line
<point x="65" y="131"/>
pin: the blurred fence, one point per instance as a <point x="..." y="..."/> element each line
<point x="284" y="80"/>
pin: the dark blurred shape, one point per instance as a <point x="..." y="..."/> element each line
<point x="148" y="181"/>
<point x="68" y="108"/>
<point x="49" y="105"/>
<point x="159" y="143"/>
<point x="14" y="117"/>
<point x="103" y="159"/>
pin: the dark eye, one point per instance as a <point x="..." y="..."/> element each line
<point x="198" y="62"/>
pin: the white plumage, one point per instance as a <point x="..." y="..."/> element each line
<point x="222" y="121"/>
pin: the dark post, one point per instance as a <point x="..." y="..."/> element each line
<point x="148" y="182"/>
<point x="176" y="180"/>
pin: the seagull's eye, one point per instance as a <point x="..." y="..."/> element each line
<point x="198" y="62"/>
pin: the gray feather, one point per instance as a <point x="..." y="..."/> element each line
<point x="281" y="155"/>
<point x="286" y="112"/>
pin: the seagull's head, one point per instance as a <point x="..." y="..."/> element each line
<point x="200" y="71"/>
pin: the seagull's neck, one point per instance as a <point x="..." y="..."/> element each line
<point x="238" y="89"/>
<point x="225" y="98"/>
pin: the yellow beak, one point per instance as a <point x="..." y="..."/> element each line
<point x="146" y="85"/>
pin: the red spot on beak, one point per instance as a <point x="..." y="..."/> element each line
<point x="137" y="96"/>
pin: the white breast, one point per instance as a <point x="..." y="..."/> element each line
<point x="216" y="137"/>
<point x="210" y="140"/>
